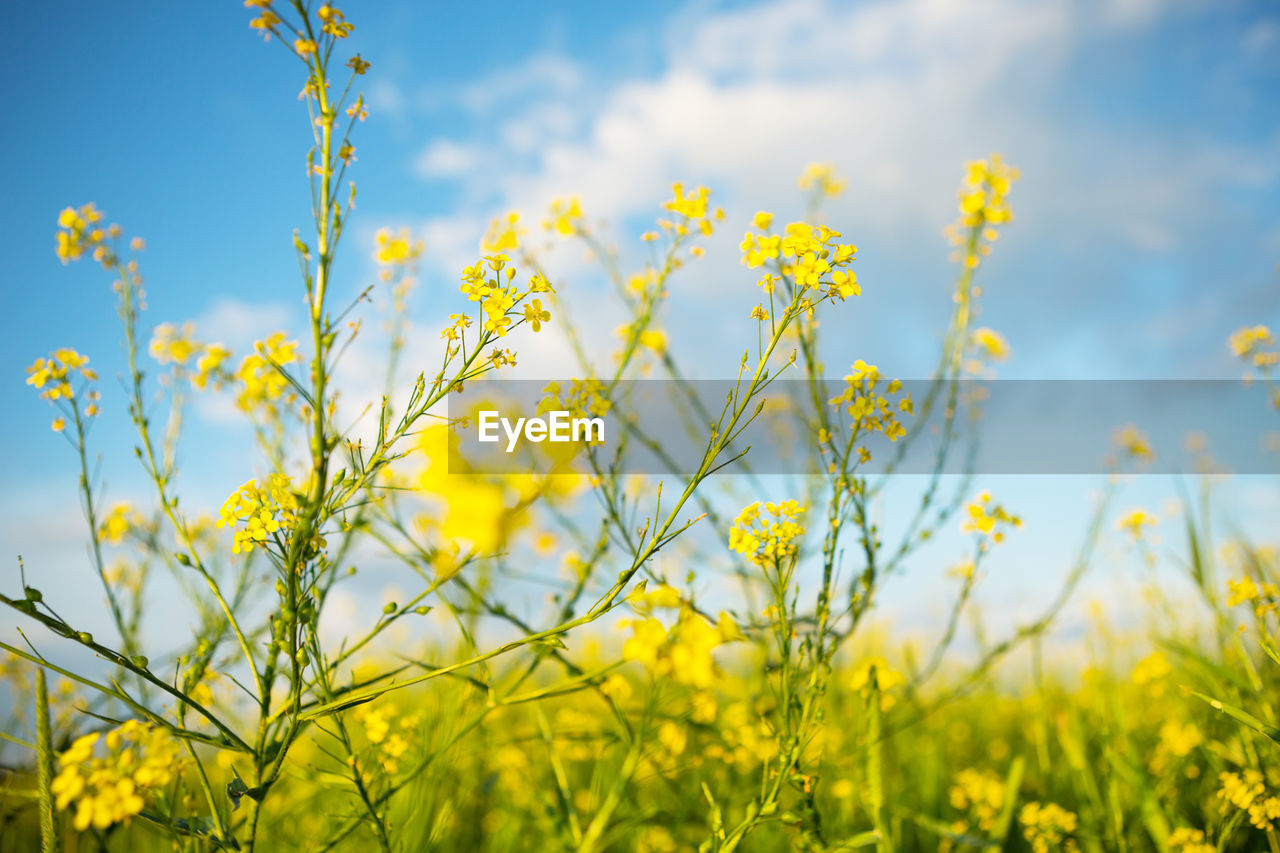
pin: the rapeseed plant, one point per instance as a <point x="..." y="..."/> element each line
<point x="792" y="720"/>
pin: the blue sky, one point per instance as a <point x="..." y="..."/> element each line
<point x="1148" y="219"/>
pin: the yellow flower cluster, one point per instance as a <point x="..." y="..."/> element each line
<point x="983" y="200"/>
<point x="503" y="235"/>
<point x="811" y="255"/>
<point x="119" y="521"/>
<point x="390" y="736"/>
<point x="644" y="600"/>
<point x="57" y="371"/>
<point x="263" y="510"/>
<point x="654" y="340"/>
<point x="988" y="519"/>
<point x="171" y="345"/>
<point x="984" y="205"/>
<point x="261" y="382"/>
<point x="821" y="179"/>
<point x="1247" y="792"/>
<point x="393" y="248"/>
<point x="1048" y="826"/>
<point x="768" y="533"/>
<point x="586" y="398"/>
<point x="1133" y="442"/>
<point x="113" y="788"/>
<point x="1246" y="591"/>
<point x="1135" y="521"/>
<point x="886" y="679"/>
<point x="693" y="212"/>
<point x="980" y="795"/>
<point x="81" y="231"/>
<point x="498" y="297"/>
<point x="868" y="409"/>
<point x="682" y="654"/>
<point x="1250" y="344"/>
<point x="990" y="345"/>
<point x="1185" y="840"/>
<point x="565" y="217"/>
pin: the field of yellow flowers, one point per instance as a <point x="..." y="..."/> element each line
<point x="631" y="710"/>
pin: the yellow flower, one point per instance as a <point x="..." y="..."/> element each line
<point x="988" y="519"/>
<point x="764" y="540"/>
<point x="534" y="314"/>
<point x="822" y="178"/>
<point x="263" y="510"/>
<point x="119" y="521"/>
<point x="503" y="234"/>
<point x="1184" y="840"/>
<point x="52" y="376"/>
<point x="990" y="343"/>
<point x="1048" y="827"/>
<point x="395" y="247"/>
<point x="1135" y="520"/>
<point x="1241" y="591"/>
<point x="113" y="788"/>
<point x="169" y="346"/>
<point x="565" y="217"/>
<point x="209" y="366"/>
<point x="886" y="678"/>
<point x="262" y="383"/>
<point x="980" y="795"/>
<point x="682" y="654"/>
<point x="1133" y="443"/>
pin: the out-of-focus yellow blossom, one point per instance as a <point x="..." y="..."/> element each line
<point x="1186" y="840"/>
<point x="980" y="796"/>
<point x="112" y="788"/>
<point x="1151" y="672"/>
<point x="983" y="208"/>
<point x="682" y="654"/>
<point x="169" y="345"/>
<point x="565" y="217"/>
<point x="1241" y="591"/>
<point x="768" y="533"/>
<point x="1247" y="792"/>
<point x="1048" y="827"/>
<point x="503" y="235"/>
<point x="209" y="366"/>
<point x="1250" y="344"/>
<point x="643" y="600"/>
<point x="821" y="178"/>
<point x="263" y="510"/>
<point x="262" y="383"/>
<point x="395" y="247"/>
<point x="52" y="376"/>
<point x="81" y="231"/>
<point x="1133" y="442"/>
<point x="1135" y="521"/>
<point x="118" y="522"/>
<point x="1179" y="739"/>
<point x="990" y="344"/>
<point x="886" y="677"/>
<point x="672" y="737"/>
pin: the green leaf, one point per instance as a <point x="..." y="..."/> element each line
<point x="1241" y="716"/>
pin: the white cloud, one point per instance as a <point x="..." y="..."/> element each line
<point x="448" y="159"/>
